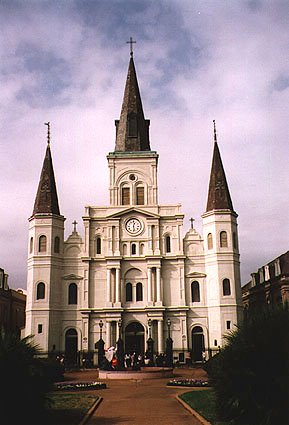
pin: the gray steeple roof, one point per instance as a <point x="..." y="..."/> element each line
<point x="219" y="196"/>
<point x="132" y="129"/>
<point x="46" y="200"/>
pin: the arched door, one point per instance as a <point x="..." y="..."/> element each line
<point x="134" y="338"/>
<point x="71" y="343"/>
<point x="198" y="343"/>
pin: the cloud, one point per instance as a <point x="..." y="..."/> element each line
<point x="66" y="62"/>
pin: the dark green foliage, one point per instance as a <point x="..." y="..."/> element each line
<point x="24" y="382"/>
<point x="250" y="375"/>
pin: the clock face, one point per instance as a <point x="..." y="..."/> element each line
<point x="133" y="226"/>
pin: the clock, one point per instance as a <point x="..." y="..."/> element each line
<point x="133" y="226"/>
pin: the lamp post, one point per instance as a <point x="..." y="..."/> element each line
<point x="150" y="345"/>
<point x="100" y="327"/>
<point x="100" y="346"/>
<point x="150" y="326"/>
<point x="169" y="346"/>
<point x="120" y="348"/>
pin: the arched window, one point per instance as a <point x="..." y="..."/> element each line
<point x="98" y="245"/>
<point x="195" y="290"/>
<point x="40" y="291"/>
<point x="57" y="245"/>
<point x="223" y="240"/>
<point x="31" y="246"/>
<point x="210" y="241"/>
<point x="133" y="249"/>
<point x="125" y="196"/>
<point x="128" y="292"/>
<point x="124" y="249"/>
<point x="140" y="195"/>
<point x="226" y="287"/>
<point x="235" y="244"/>
<point x="42" y="243"/>
<point x="168" y="243"/>
<point x="72" y="293"/>
<point x="139" y="292"/>
<point x="142" y="249"/>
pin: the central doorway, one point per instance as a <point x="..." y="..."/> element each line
<point x="134" y="338"/>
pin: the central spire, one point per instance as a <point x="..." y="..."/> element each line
<point x="132" y="129"/>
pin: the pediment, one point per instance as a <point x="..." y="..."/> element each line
<point x="196" y="275"/>
<point x="122" y="213"/>
<point x="72" y="277"/>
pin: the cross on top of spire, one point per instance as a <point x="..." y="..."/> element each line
<point x="131" y="42"/>
<point x="48" y="132"/>
<point x="215" y="131"/>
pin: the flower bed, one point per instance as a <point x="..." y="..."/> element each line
<point x="183" y="382"/>
<point x="69" y="386"/>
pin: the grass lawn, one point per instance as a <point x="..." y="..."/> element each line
<point x="68" y="408"/>
<point x="203" y="402"/>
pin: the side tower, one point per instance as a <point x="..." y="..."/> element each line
<point x="45" y="261"/>
<point x="221" y="255"/>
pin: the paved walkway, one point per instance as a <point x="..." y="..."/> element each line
<point x="146" y="402"/>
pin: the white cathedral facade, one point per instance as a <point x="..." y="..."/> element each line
<point x="132" y="274"/>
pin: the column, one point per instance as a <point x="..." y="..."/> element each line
<point x="117" y="286"/>
<point x="158" y="284"/>
<point x="108" y="287"/>
<point x="150" y="286"/>
<point x="160" y="337"/>
<point x="108" y="336"/>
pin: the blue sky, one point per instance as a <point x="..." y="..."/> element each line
<point x="66" y="62"/>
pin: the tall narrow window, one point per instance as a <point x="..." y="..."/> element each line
<point x="195" y="289"/>
<point x="57" y="245"/>
<point x="72" y="294"/>
<point x="42" y="243"/>
<point x="226" y="287"/>
<point x="98" y="245"/>
<point x="39" y="328"/>
<point x="40" y="291"/>
<point x="235" y="244"/>
<point x="223" y="240"/>
<point x="168" y="243"/>
<point x="133" y="249"/>
<point x="140" y="195"/>
<point x="125" y="196"/>
<point x="141" y="249"/>
<point x="139" y="294"/>
<point x="124" y="249"/>
<point x="128" y="292"/>
<point x="31" y="246"/>
<point x="210" y="241"/>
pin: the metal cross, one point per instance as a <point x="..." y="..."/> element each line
<point x="215" y="131"/>
<point x="74" y="224"/>
<point x="192" y="222"/>
<point x="131" y="42"/>
<point x="48" y="131"/>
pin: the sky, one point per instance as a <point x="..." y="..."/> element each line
<point x="65" y="61"/>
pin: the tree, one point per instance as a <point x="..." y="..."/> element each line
<point x="250" y="375"/>
<point x="24" y="383"/>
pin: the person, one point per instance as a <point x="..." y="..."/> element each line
<point x="114" y="362"/>
<point x="127" y="360"/>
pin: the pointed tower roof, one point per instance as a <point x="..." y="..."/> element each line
<point x="46" y="200"/>
<point x="219" y="196"/>
<point x="132" y="129"/>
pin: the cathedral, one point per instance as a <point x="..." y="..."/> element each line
<point x="132" y="274"/>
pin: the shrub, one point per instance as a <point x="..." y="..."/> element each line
<point x="250" y="374"/>
<point x="24" y="383"/>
